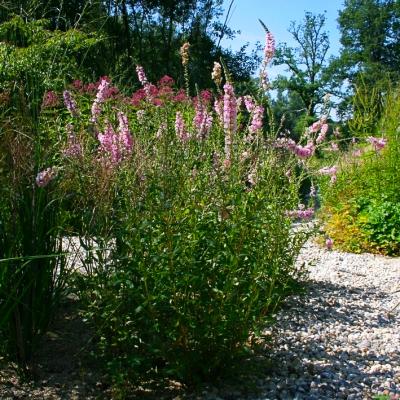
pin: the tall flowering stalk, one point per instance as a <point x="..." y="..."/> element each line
<point x="256" y="119"/>
<point x="202" y="121"/>
<point x="216" y="75"/>
<point x="73" y="147"/>
<point x="229" y="118"/>
<point x="180" y="128"/>
<point x="100" y="98"/>
<point x="184" y="52"/>
<point x="70" y="103"/>
<point x="269" y="52"/>
<point x="148" y="88"/>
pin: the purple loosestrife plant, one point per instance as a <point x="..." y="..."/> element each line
<point x="70" y="103"/>
<point x="180" y="128"/>
<point x="229" y="118"/>
<point x="100" y="98"/>
<point x="202" y="121"/>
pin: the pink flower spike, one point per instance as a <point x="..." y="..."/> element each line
<point x="180" y="127"/>
<point x="257" y="119"/>
<point x="304" y="151"/>
<point x="269" y="49"/>
<point x="141" y="75"/>
<point x="70" y="103"/>
<point x="229" y="113"/>
<point x="100" y="98"/>
<point x="125" y="137"/>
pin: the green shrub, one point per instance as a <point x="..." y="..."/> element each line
<point x="367" y="189"/>
<point x="201" y="251"/>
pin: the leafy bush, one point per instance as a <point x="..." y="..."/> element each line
<point x="186" y="218"/>
<point x="361" y="210"/>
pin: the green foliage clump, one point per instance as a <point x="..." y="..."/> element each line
<point x="362" y="210"/>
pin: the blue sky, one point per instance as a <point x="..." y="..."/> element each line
<point x="277" y="15"/>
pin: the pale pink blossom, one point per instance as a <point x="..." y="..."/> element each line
<point x="329" y="243"/>
<point x="43" y="178"/>
<point x="301" y="213"/>
<point x="269" y="49"/>
<point x="161" y="130"/>
<point x="334" y="147"/>
<point x="202" y="121"/>
<point x="315" y="127"/>
<point x="377" y="143"/>
<point x="257" y="119"/>
<point x="249" y="103"/>
<point x="125" y="138"/>
<point x="141" y="75"/>
<point x="304" y="151"/>
<point x="180" y="128"/>
<point x="330" y="172"/>
<point x="229" y="118"/>
<point x="100" y="98"/>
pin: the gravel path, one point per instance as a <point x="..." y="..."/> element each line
<point x="341" y="340"/>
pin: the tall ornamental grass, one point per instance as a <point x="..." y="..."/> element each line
<point x="32" y="274"/>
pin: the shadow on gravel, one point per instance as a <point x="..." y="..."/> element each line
<point x="329" y="343"/>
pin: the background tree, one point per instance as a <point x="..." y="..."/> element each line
<point x="145" y="32"/>
<point x="306" y="63"/>
<point x="370" y="53"/>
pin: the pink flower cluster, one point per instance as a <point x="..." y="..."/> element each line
<point x="304" y="151"/>
<point x="117" y="145"/>
<point x="141" y="75"/>
<point x="219" y="109"/>
<point x="301" y="151"/>
<point x="202" y="121"/>
<point x="229" y="118"/>
<point x="157" y="95"/>
<point x="180" y="128"/>
<point x="93" y="87"/>
<point x="73" y="148"/>
<point x="50" y="99"/>
<point x="301" y="213"/>
<point x="100" y="98"/>
<point x="249" y="103"/>
<point x="230" y="109"/>
<point x="70" y="103"/>
<point x="44" y="177"/>
<point x="330" y="172"/>
<point x="269" y="49"/>
<point x="377" y="143"/>
<point x="322" y="134"/>
<point x="257" y="119"/>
